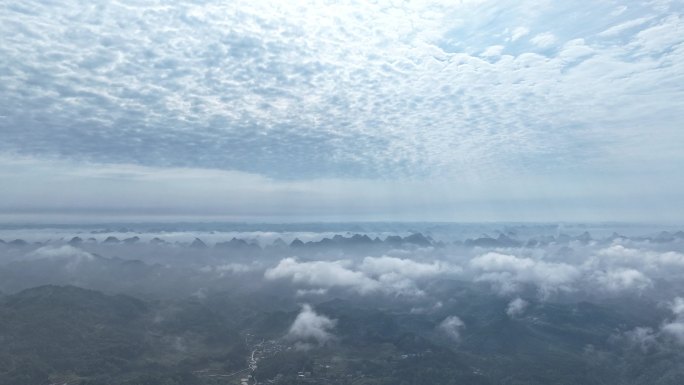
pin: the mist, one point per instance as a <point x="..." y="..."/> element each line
<point x="304" y="291"/>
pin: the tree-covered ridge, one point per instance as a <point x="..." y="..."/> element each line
<point x="84" y="336"/>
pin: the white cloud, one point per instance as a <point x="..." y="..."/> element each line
<point x="509" y="271"/>
<point x="311" y="327"/>
<point x="492" y="51"/>
<point x="519" y="32"/>
<point x="273" y="82"/>
<point x="662" y="36"/>
<point x="374" y="274"/>
<point x="59" y="252"/>
<point x="674" y="329"/>
<point x="73" y="256"/>
<point x="670" y="330"/>
<point x="452" y="326"/>
<point x="677" y="306"/>
<point x="619" y="280"/>
<point x="644" y="337"/>
<point x="656" y="261"/>
<point x="346" y="90"/>
<point x="574" y="50"/>
<point x="619" y="10"/>
<point x="544" y="39"/>
<point x="379" y="266"/>
<point x="620" y="28"/>
<point x="323" y="274"/>
<point x="427" y="309"/>
<point x="516" y="307"/>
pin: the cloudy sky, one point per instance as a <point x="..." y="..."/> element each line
<point x="450" y="110"/>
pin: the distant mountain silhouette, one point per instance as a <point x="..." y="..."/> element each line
<point x="18" y="243"/>
<point x="131" y="240"/>
<point x="501" y="241"/>
<point x="111" y="239"/>
<point x="296" y="243"/>
<point x="158" y="241"/>
<point x="198" y="244"/>
<point x="236" y="243"/>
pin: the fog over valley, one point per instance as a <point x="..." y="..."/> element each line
<point x="484" y="303"/>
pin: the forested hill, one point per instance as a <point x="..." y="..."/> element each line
<point x="65" y="334"/>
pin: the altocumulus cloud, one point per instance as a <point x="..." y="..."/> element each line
<point x="324" y="89"/>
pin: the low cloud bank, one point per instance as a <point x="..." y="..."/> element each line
<point x="374" y="274"/>
<point x="322" y="274"/>
<point x="610" y="270"/>
<point x="57" y="252"/>
<point x="508" y="272"/>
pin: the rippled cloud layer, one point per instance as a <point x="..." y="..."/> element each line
<point x="307" y="90"/>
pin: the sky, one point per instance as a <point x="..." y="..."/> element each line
<point x="472" y="110"/>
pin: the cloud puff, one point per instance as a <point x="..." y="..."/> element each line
<point x="310" y="327"/>
<point x="643" y="337"/>
<point x="516" y="307"/>
<point x="452" y="327"/>
<point x="509" y="271"/>
<point x="677" y="306"/>
<point x="493" y="51"/>
<point x="519" y="32"/>
<point x="322" y="274"/>
<point x="374" y="274"/>
<point x="675" y="328"/>
<point x="544" y="40"/>
<point x="651" y="260"/>
<point x="619" y="280"/>
<point x="671" y="330"/>
<point x="379" y="266"/>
